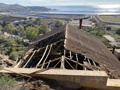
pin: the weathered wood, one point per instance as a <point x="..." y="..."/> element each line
<point x="70" y="65"/>
<point x="46" y="56"/>
<point x="29" y="59"/>
<point x="77" y="60"/>
<point x="84" y="64"/>
<point x="62" y="62"/>
<point x="89" y="61"/>
<point x="42" y="56"/>
<point x="48" y="64"/>
<point x="51" y="61"/>
<point x="89" y="67"/>
<point x="70" y="55"/>
<point x="94" y="63"/>
<point x="64" y="52"/>
<point x="96" y="79"/>
<point x="57" y="64"/>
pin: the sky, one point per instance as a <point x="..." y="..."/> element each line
<point x="61" y="2"/>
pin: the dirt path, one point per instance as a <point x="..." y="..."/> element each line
<point x="111" y="39"/>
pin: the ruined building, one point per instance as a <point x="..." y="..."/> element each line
<point x="72" y="55"/>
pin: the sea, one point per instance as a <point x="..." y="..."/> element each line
<point x="84" y="10"/>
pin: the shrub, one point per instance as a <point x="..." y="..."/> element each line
<point x="13" y="56"/>
<point x="118" y="32"/>
<point x="7" y="82"/>
<point x="106" y="42"/>
<point x="108" y="28"/>
<point x="58" y="23"/>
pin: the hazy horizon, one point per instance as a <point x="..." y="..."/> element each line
<point x="62" y="2"/>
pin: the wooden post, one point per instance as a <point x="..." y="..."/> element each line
<point x="62" y="62"/>
<point x="48" y="64"/>
<point x="77" y="61"/>
<point x="80" y="23"/>
<point x="84" y="63"/>
<point x="94" y="63"/>
<point x="89" y="61"/>
<point x="113" y="51"/>
<point x="70" y="55"/>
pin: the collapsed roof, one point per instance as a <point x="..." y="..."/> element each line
<point x="75" y="45"/>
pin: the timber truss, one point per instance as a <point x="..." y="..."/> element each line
<point x="55" y="56"/>
<point x="70" y="48"/>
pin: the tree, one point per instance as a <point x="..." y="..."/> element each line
<point x="106" y="42"/>
<point x="108" y="28"/>
<point x="0" y="29"/>
<point x="118" y="31"/>
<point x="31" y="33"/>
<point x="30" y="18"/>
<point x="43" y="29"/>
<point x="58" y="23"/>
<point x="20" y="30"/>
<point x="10" y="28"/>
<point x="38" y="21"/>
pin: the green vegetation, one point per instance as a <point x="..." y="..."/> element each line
<point x="97" y="31"/>
<point x="11" y="51"/>
<point x="100" y="30"/>
<point x="9" y="28"/>
<point x="28" y="31"/>
<point x="106" y="42"/>
<point x="7" y="82"/>
<point x="118" y="31"/>
<point x="108" y="28"/>
<point x="93" y="20"/>
<point x="31" y="33"/>
<point x="58" y="23"/>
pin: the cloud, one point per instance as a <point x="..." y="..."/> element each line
<point x="72" y="2"/>
<point x="60" y="2"/>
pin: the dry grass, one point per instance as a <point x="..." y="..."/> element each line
<point x="114" y="26"/>
<point x="111" y="19"/>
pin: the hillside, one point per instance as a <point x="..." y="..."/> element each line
<point x="19" y="8"/>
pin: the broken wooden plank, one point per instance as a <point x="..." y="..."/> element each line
<point x="47" y="56"/>
<point x="42" y="56"/>
<point x="29" y="59"/>
<point x="63" y="62"/>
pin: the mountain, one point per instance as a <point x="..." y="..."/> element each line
<point x="19" y="8"/>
